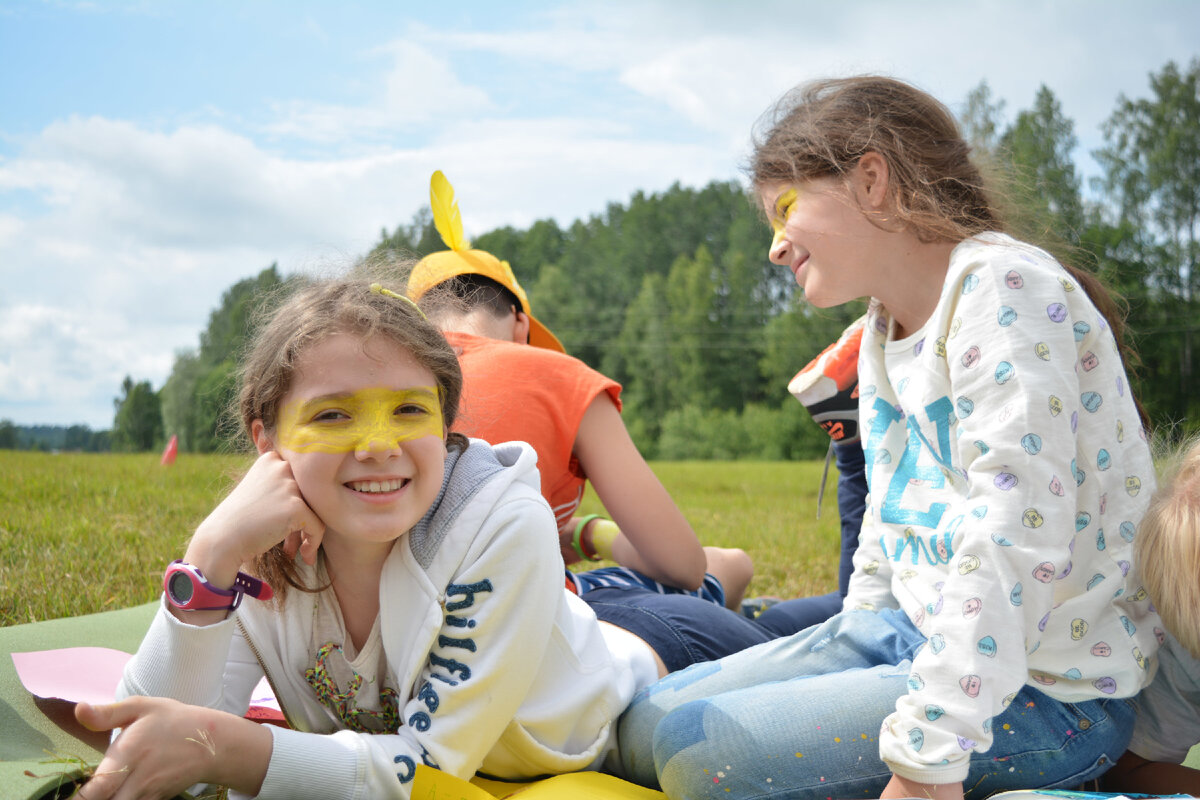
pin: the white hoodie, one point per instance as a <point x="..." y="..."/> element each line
<point x="499" y="668"/>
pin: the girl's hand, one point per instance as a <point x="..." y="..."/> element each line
<point x="903" y="788"/>
<point x="265" y="508"/>
<point x="166" y="746"/>
<point x="565" y="539"/>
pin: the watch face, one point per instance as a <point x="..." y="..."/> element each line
<point x="180" y="587"/>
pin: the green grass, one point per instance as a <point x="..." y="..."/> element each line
<point x="766" y="508"/>
<point x="81" y="533"/>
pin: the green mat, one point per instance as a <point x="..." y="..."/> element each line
<point x="42" y="747"/>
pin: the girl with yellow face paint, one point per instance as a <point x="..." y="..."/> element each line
<point x="425" y="622"/>
<point x="345" y="423"/>
<point x="362" y="431"/>
<point x="993" y="623"/>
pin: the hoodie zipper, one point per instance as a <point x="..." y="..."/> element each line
<point x="266" y="673"/>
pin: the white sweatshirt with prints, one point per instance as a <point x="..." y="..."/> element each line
<point x="1008" y="470"/>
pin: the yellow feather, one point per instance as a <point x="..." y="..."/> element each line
<point x="446" y="218"/>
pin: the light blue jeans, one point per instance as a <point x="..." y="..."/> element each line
<point x="799" y="717"/>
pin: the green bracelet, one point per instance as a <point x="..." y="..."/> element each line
<point x="577" y="538"/>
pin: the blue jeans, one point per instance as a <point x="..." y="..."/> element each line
<point x="799" y="717"/>
<point x="682" y="628"/>
<point x="791" y="616"/>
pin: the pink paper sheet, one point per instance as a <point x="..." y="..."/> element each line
<point x="75" y="674"/>
<point x="91" y="674"/>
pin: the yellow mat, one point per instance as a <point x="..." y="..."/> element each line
<point x="432" y="784"/>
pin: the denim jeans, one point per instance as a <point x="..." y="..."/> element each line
<point x="799" y="717"/>
<point x="682" y="628"/>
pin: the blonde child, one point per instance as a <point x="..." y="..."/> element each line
<point x="993" y="623"/>
<point x="425" y="620"/>
<point x="1168" y="710"/>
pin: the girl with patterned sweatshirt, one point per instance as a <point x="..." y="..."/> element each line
<point x="425" y="621"/>
<point x="995" y="619"/>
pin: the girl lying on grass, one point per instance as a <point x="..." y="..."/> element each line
<point x="425" y="620"/>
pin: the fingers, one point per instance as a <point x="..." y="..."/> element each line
<point x="154" y="755"/>
<point x="109" y="775"/>
<point x="306" y="528"/>
<point x="291" y="543"/>
<point x="305" y="543"/>
<point x="106" y="717"/>
<point x="105" y="782"/>
<point x="311" y="536"/>
<point x="87" y="715"/>
<point x="308" y="550"/>
<point x="265" y="509"/>
<point x="305" y="537"/>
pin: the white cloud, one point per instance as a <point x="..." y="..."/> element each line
<point x="420" y="86"/>
<point x="139" y="232"/>
<point x="10" y="229"/>
<point x="136" y="236"/>
<point x="64" y="366"/>
<point x="706" y="81"/>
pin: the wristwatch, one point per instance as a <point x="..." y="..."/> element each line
<point x="187" y="589"/>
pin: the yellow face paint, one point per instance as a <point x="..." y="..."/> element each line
<point x="345" y="423"/>
<point x="783" y="208"/>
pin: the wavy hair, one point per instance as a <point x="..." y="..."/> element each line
<point x="822" y="129"/>
<point x="309" y="314"/>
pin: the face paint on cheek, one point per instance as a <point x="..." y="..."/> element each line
<point x="366" y="418"/>
<point x="783" y="209"/>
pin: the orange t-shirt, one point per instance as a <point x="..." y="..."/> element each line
<point x="518" y="392"/>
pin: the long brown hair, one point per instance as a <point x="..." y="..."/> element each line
<point x="822" y="129"/>
<point x="310" y="314"/>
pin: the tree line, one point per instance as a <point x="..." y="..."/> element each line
<point x="50" y="438"/>
<point x="672" y="295"/>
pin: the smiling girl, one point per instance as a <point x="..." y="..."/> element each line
<point x="995" y="618"/>
<point x="424" y="620"/>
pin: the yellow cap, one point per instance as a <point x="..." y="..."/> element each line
<point x="443" y="265"/>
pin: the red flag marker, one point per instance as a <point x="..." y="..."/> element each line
<point x="172" y="449"/>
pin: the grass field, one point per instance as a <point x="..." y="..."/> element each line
<point x="81" y="533"/>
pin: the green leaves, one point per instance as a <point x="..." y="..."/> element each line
<point x="138" y="424"/>
<point x="1152" y="177"/>
<point x="1038" y="149"/>
<point x="199" y="393"/>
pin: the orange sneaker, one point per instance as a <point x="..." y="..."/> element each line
<point x="828" y="385"/>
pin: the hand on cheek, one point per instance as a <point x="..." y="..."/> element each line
<point x="264" y="509"/>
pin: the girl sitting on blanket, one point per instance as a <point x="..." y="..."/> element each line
<point x="425" y="620"/>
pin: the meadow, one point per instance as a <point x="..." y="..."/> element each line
<point x="81" y="533"/>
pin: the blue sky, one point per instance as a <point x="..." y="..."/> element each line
<point x="154" y="153"/>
